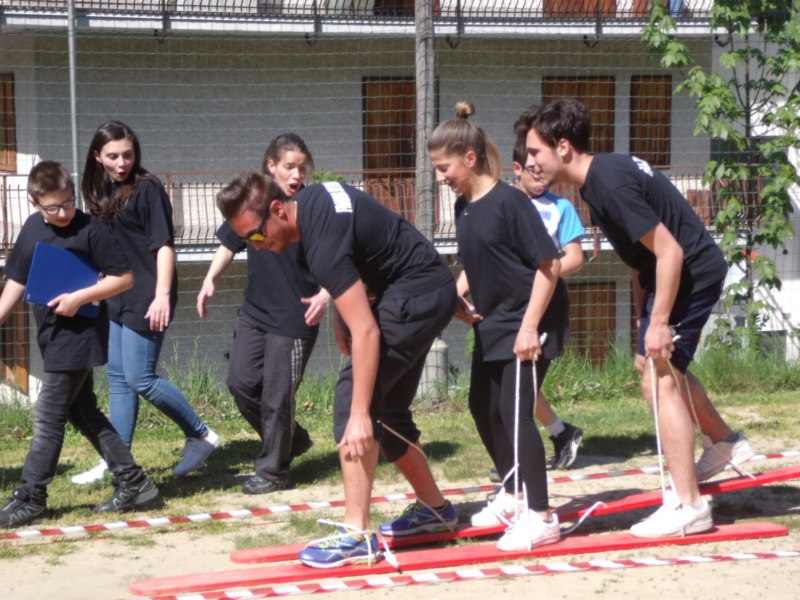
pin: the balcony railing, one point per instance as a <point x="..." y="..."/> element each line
<point x="443" y="10"/>
<point x="197" y="218"/>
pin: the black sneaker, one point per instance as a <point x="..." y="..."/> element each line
<point x="258" y="485"/>
<point x="134" y="497"/>
<point x="566" y="446"/>
<point x="21" y="512"/>
<point x="301" y="443"/>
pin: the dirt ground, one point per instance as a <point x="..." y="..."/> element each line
<point x="102" y="567"/>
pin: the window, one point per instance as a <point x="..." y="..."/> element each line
<point x="389" y="121"/>
<point x="8" y="131"/>
<point x="597" y="93"/>
<point x="651" y="106"/>
<point x="389" y="124"/>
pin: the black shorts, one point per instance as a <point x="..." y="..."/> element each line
<point x="688" y="317"/>
<point x="409" y="325"/>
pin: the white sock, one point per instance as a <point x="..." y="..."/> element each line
<point x="555" y="427"/>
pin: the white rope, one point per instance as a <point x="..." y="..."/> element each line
<point x="419" y="500"/>
<point x="654" y="386"/>
<point x="515" y="470"/>
<point x="584" y="516"/>
<point x="372" y="556"/>
<point x="706" y="440"/>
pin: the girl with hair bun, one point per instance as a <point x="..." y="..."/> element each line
<point x="511" y="274"/>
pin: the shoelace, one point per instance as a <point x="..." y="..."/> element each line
<point x="372" y="556"/>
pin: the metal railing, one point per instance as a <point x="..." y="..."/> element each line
<point x="197" y="218"/>
<point x="443" y="10"/>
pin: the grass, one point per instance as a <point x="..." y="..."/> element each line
<point x="752" y="393"/>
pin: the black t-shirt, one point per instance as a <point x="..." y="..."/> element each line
<point x="501" y="239"/>
<point x="143" y="226"/>
<point x="69" y="343"/>
<point x="275" y="284"/>
<point x="346" y="234"/>
<point x="627" y="198"/>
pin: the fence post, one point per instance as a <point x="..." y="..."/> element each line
<point x="433" y="384"/>
<point x="425" y="112"/>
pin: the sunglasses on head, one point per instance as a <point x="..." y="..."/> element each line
<point x="257" y="235"/>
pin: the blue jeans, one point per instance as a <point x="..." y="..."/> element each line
<point x="131" y="371"/>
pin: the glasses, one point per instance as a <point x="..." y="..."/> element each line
<point x="52" y="209"/>
<point x="257" y="235"/>
<point x="534" y="171"/>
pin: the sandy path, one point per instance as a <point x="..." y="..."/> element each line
<point x="102" y="568"/>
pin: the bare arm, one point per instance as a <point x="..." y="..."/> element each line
<point x="573" y="259"/>
<point x="158" y="313"/>
<point x="464" y="310"/>
<point x="67" y="305"/>
<point x="669" y="264"/>
<point x="222" y="260"/>
<point x="12" y="294"/>
<point x="354" y="310"/>
<point x="527" y="345"/>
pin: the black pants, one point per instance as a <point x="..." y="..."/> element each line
<point x="491" y="401"/>
<point x="263" y="374"/>
<point x="69" y="396"/>
<point x="409" y="325"/>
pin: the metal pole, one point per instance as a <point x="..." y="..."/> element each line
<point x="425" y="113"/>
<point x="73" y="110"/>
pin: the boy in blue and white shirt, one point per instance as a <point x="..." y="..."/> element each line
<point x="565" y="228"/>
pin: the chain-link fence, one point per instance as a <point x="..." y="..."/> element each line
<point x="207" y="84"/>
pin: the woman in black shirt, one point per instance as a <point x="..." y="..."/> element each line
<point x="511" y="270"/>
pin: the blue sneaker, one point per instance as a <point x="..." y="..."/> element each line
<point x="418" y="518"/>
<point x="340" y="549"/>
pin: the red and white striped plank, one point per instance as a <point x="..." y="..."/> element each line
<point x="320" y="505"/>
<point x="436" y="558"/>
<point x="565" y="513"/>
<point x="461" y="575"/>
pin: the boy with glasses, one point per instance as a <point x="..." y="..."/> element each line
<point x="71" y="346"/>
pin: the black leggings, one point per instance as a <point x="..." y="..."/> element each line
<point x="491" y="402"/>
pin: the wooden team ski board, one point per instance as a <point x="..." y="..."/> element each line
<point x="632" y="502"/>
<point x="437" y="558"/>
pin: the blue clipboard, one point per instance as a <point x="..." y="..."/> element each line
<point x="56" y="271"/>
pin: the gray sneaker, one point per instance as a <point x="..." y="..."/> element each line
<point x="132" y="497"/>
<point x="722" y="455"/>
<point x="21" y="512"/>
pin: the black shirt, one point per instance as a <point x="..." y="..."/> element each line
<point x="346" y="234"/>
<point x="501" y="239"/>
<point x="628" y="198"/>
<point x="275" y="284"/>
<point x="69" y="343"/>
<point x="143" y="226"/>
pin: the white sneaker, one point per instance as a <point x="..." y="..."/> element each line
<point x="500" y="511"/>
<point x="675" y="520"/>
<point x="195" y="452"/>
<point x="530" y="531"/>
<point x="717" y="457"/>
<point x="92" y="475"/>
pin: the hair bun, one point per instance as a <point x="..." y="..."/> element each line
<point x="464" y="109"/>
